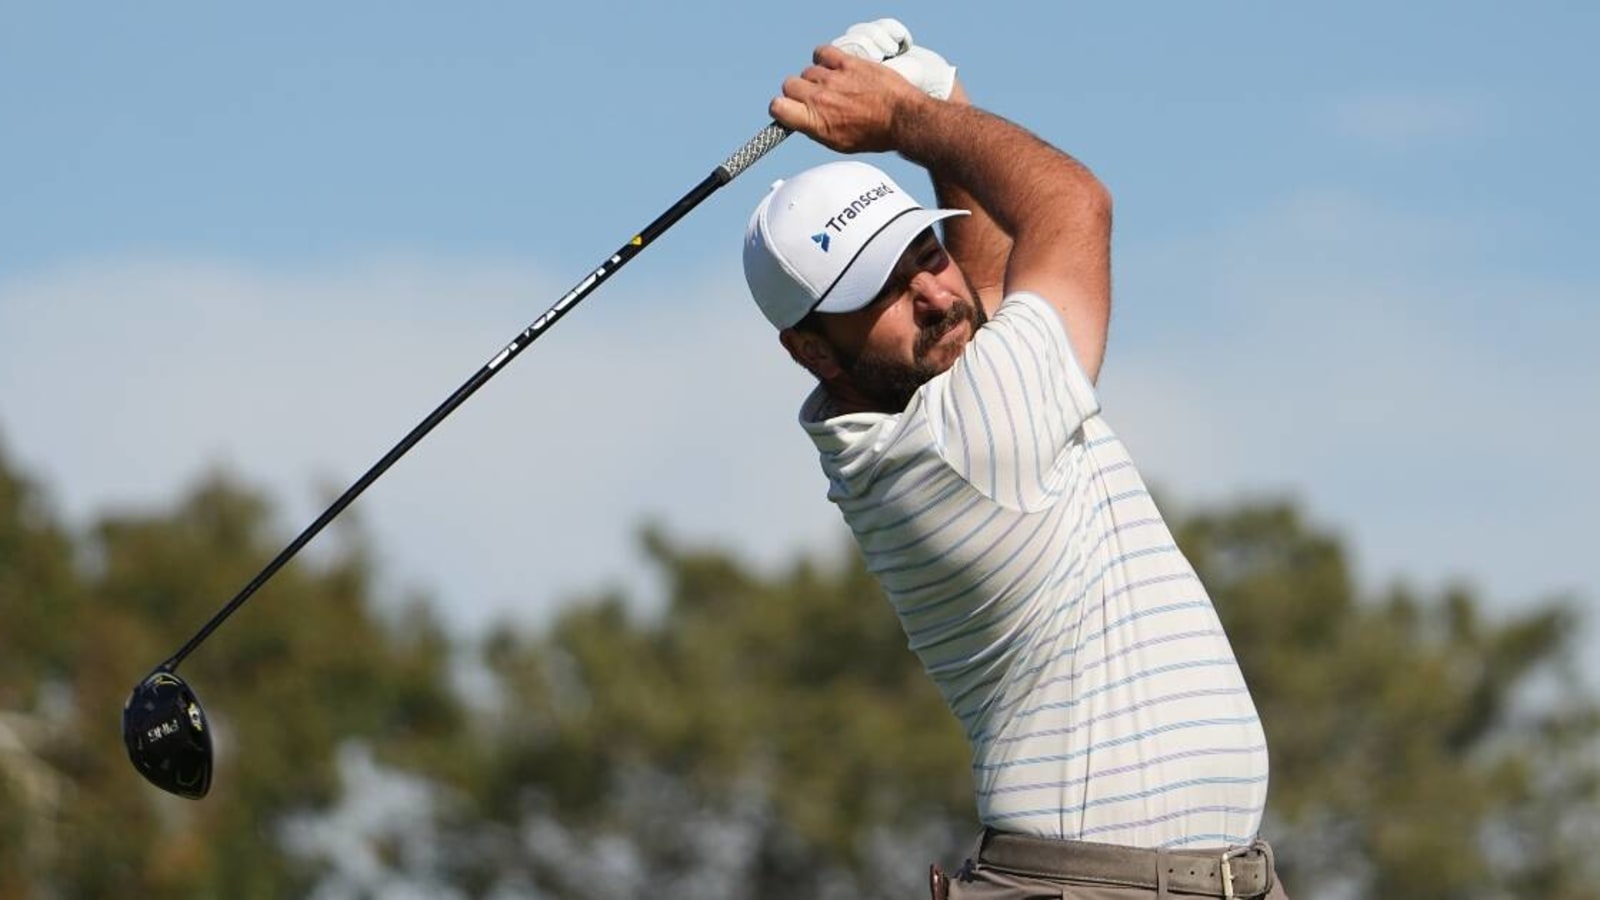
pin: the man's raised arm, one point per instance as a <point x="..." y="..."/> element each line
<point x="1056" y="212"/>
<point x="976" y="242"/>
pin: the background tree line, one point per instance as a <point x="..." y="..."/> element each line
<point x="761" y="735"/>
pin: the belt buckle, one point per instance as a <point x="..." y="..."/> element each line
<point x="1228" y="857"/>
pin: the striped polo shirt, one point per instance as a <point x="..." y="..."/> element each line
<point x="1039" y="586"/>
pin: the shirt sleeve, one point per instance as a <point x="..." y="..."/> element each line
<point x="1008" y="413"/>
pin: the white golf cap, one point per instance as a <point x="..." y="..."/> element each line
<point x="828" y="238"/>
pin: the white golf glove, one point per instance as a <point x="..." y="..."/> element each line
<point x="889" y="42"/>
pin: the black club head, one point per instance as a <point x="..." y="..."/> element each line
<point x="168" y="738"/>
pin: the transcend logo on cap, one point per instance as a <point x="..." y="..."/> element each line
<point x="801" y="254"/>
<point x="844" y="217"/>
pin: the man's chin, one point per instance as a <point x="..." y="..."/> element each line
<point x="947" y="349"/>
<point x="890" y="385"/>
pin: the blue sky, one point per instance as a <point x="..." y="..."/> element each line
<point x="1354" y="262"/>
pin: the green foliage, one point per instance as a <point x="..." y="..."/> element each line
<point x="39" y="592"/>
<point x="761" y="734"/>
<point x="1448" y="755"/>
<point x="307" y="666"/>
<point x="800" y="683"/>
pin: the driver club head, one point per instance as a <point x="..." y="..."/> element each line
<point x="168" y="738"/>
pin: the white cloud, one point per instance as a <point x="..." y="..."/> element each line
<point x="120" y="382"/>
<point x="1396" y="122"/>
<point x="1326" y="347"/>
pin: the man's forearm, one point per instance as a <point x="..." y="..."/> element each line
<point x="1023" y="183"/>
<point x="1055" y="211"/>
<point x="976" y="242"/>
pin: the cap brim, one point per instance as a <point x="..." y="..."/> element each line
<point x="866" y="275"/>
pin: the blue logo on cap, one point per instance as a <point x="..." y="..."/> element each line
<point x="821" y="238"/>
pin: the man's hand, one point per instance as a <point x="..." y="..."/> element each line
<point x="889" y="42"/>
<point x="846" y="103"/>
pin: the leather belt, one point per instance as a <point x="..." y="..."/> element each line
<point x="1227" y="873"/>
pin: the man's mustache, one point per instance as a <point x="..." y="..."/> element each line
<point x="959" y="311"/>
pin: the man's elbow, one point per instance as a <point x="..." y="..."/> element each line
<point x="1076" y="220"/>
<point x="1093" y="200"/>
<point x="1077" y="208"/>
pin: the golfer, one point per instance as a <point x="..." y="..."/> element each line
<point x="1116" y="752"/>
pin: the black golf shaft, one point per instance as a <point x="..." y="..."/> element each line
<point x="757" y="147"/>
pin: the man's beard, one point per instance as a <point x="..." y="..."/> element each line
<point x="889" y="383"/>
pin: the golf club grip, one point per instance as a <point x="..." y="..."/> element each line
<point x="755" y="148"/>
<point x="767" y="138"/>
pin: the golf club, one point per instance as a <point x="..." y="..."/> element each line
<point x="163" y="724"/>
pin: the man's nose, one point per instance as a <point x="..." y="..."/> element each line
<point x="931" y="297"/>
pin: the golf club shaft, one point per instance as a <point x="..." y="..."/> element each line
<point x="757" y="147"/>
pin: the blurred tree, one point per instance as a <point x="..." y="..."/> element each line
<point x="761" y="735"/>
<point x="307" y="666"/>
<point x="40" y="597"/>
<point x="782" y="718"/>
<point x="40" y="593"/>
<point x="1418" y="749"/>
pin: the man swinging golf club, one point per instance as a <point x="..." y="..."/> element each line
<point x="1115" y="748"/>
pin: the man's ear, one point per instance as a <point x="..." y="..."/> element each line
<point x="812" y="351"/>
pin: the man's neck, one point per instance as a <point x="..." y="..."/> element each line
<point x="842" y="400"/>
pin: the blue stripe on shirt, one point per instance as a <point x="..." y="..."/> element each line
<point x="1126" y="769"/>
<point x="1114" y="742"/>
<point x="1124" y="682"/>
<point x="1138" y="795"/>
<point x="1120" y="711"/>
